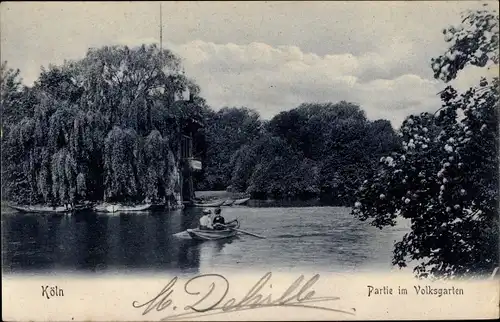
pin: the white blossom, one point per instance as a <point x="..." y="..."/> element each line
<point x="451" y="56"/>
<point x="389" y="161"/>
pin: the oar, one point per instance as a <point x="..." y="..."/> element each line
<point x="244" y="232"/>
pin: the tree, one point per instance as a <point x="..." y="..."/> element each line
<point x="120" y="164"/>
<point x="158" y="167"/>
<point x="314" y="150"/>
<point x="473" y="42"/>
<point x="105" y="127"/>
<point x="13" y="109"/>
<point x="446" y="178"/>
<point x="227" y="130"/>
<point x="11" y="91"/>
<point x="243" y="163"/>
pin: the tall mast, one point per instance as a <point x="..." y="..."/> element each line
<point x="161" y="31"/>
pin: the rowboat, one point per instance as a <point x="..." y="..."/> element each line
<point x="121" y="208"/>
<point x="208" y="204"/>
<point x="41" y="209"/>
<point x="202" y="234"/>
<point x="240" y="202"/>
<point x="228" y="202"/>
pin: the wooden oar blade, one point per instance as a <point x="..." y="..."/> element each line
<point x="248" y="233"/>
<point x="243" y="231"/>
<point x="251" y="234"/>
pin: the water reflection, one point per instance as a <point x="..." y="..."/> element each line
<point x="327" y="238"/>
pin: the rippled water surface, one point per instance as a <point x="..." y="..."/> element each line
<point x="317" y="238"/>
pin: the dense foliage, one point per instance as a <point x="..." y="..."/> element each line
<point x="224" y="133"/>
<point x="105" y="127"/>
<point x="315" y="150"/>
<point x="446" y="178"/>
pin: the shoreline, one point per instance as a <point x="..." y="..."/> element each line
<point x="211" y="195"/>
<point x="203" y="196"/>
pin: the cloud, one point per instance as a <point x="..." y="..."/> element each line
<point x="272" y="79"/>
<point x="270" y="56"/>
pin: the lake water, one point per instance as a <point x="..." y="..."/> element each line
<point x="312" y="238"/>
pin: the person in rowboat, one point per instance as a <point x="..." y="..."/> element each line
<point x="206" y="220"/>
<point x="219" y="222"/>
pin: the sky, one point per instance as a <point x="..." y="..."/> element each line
<point x="269" y="56"/>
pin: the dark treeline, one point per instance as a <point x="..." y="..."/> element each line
<point x="313" y="151"/>
<point x="107" y="128"/>
<point x="102" y="128"/>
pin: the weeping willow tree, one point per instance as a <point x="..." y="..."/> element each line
<point x="160" y="169"/>
<point x="105" y="127"/>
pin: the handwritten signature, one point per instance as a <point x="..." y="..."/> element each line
<point x="210" y="301"/>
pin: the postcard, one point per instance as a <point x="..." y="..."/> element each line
<point x="249" y="161"/>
